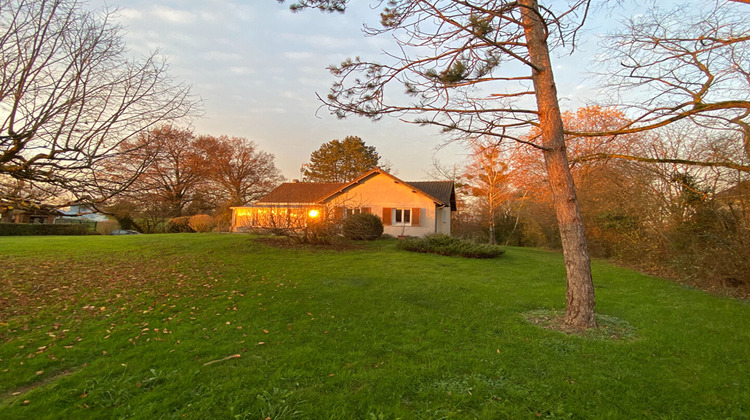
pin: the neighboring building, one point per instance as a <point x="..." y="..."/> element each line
<point x="406" y="208"/>
<point x="23" y="211"/>
<point x="83" y="213"/>
<point x="736" y="199"/>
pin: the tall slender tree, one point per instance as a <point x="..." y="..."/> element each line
<point x="486" y="178"/>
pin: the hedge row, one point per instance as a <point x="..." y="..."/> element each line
<point x="23" y="229"/>
<point x="448" y="245"/>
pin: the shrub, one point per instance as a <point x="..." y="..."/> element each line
<point x="106" y="227"/>
<point x="363" y="227"/>
<point x="179" y="225"/>
<point x="447" y="245"/>
<point x="201" y="223"/>
<point x="127" y="223"/>
<point x="23" y="229"/>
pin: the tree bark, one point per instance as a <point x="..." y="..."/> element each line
<point x="580" y="286"/>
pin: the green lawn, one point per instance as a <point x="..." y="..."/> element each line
<point x="224" y="326"/>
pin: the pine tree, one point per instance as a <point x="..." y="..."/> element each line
<point x="341" y="160"/>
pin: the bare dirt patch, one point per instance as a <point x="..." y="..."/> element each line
<point x="20" y="392"/>
<point x="608" y="327"/>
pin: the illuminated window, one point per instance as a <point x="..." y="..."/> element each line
<point x="357" y="210"/>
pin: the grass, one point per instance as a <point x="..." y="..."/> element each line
<point x="225" y="326"/>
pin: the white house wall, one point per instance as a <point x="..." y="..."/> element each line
<point x="443" y="224"/>
<point x="381" y="191"/>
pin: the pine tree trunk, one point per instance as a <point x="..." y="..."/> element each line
<point x="580" y="287"/>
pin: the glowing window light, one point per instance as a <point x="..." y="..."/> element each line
<point x="313" y="213"/>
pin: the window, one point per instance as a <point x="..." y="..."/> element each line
<point x="357" y="210"/>
<point x="403" y="216"/>
<point x="350" y="212"/>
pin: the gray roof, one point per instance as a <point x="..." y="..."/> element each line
<point x="442" y="190"/>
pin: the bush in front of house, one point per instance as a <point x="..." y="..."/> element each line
<point x="447" y="245"/>
<point x="201" y="223"/>
<point x="179" y="225"/>
<point x="25" y="229"/>
<point x="362" y="227"/>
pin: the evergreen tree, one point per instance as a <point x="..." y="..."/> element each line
<point x="341" y="161"/>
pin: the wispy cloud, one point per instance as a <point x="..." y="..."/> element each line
<point x="129" y="14"/>
<point x="241" y="70"/>
<point x="222" y="56"/>
<point x="173" y="15"/>
<point x="293" y="55"/>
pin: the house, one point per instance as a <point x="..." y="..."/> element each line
<point x="406" y="208"/>
<point x="26" y="211"/>
<point x="736" y="199"/>
<point x="83" y="213"/>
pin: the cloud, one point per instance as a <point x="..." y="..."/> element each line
<point x="173" y="15"/>
<point x="241" y="70"/>
<point x="129" y="14"/>
<point x="222" y="56"/>
<point x="320" y="41"/>
<point x="298" y="55"/>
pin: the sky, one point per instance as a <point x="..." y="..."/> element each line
<point x="257" y="67"/>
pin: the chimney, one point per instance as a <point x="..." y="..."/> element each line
<point x="294" y="181"/>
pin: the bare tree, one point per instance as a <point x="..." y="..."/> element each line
<point x="486" y="177"/>
<point x="238" y="172"/>
<point x="478" y="68"/>
<point x="70" y="95"/>
<point x="690" y="64"/>
<point x="175" y="171"/>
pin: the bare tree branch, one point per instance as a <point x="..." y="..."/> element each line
<point x="69" y="95"/>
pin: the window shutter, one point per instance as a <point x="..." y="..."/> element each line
<point x="366" y="210"/>
<point x="415" y="213"/>
<point x="338" y="213"/>
<point x="387" y="216"/>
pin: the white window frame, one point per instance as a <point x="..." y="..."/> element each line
<point x="400" y="211"/>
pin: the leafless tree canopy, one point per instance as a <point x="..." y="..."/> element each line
<point x="70" y="95"/>
<point x="686" y="63"/>
<point x="238" y="172"/>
